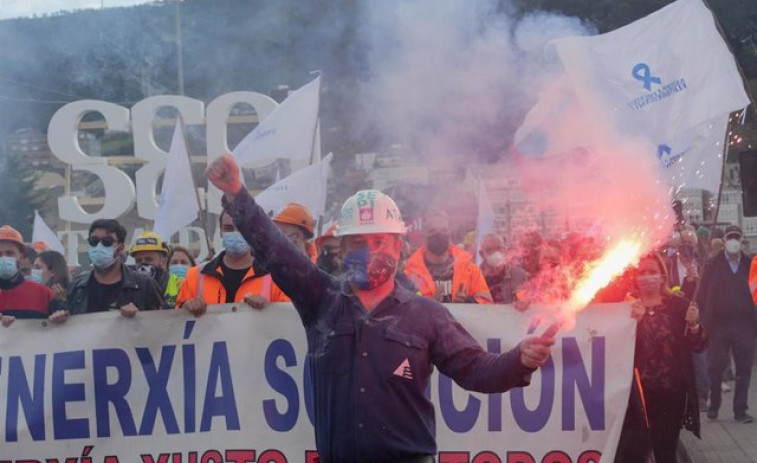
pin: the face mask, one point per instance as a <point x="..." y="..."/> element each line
<point x="235" y="244"/>
<point x="328" y="262"/>
<point x="368" y="270"/>
<point x="180" y="271"/>
<point x="649" y="283"/>
<point x="102" y="257"/>
<point x="438" y="243"/>
<point x="733" y="246"/>
<point x="8" y="267"/>
<point x="495" y="259"/>
<point x="150" y="271"/>
<point x="36" y="275"/>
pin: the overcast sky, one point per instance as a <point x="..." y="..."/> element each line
<point x="20" y="8"/>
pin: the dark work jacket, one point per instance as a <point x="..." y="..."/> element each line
<point x="141" y="290"/>
<point x="369" y="370"/>
<point x="725" y="299"/>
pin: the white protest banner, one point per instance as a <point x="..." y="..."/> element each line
<point x="306" y="186"/>
<point x="43" y="233"/>
<point x="287" y="132"/>
<point x="165" y="387"/>
<point x="660" y="76"/>
<point x="178" y="204"/>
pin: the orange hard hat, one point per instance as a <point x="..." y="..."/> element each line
<point x="299" y="215"/>
<point x="40" y="246"/>
<point x="329" y="234"/>
<point x="8" y="233"/>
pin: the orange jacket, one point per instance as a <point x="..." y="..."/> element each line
<point x="467" y="279"/>
<point x="205" y="280"/>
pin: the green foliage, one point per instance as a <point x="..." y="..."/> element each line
<point x="20" y="197"/>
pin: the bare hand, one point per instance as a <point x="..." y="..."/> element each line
<point x="522" y="306"/>
<point x="638" y="310"/>
<point x="59" y="292"/>
<point x="129" y="310"/>
<point x="692" y="316"/>
<point x="59" y="316"/>
<point x="255" y="301"/>
<point x="7" y="320"/>
<point x="691" y="272"/>
<point x="196" y="306"/>
<point x="224" y="174"/>
<point x="535" y="351"/>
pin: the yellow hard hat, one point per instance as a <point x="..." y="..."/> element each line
<point x="149" y="241"/>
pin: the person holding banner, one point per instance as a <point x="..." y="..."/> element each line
<point x="19" y="297"/>
<point x="372" y="345"/>
<point x="668" y="332"/>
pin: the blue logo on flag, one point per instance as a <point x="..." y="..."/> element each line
<point x="642" y="73"/>
<point x="663" y="150"/>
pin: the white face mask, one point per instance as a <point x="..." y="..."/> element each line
<point x="495" y="259"/>
<point x="733" y="246"/>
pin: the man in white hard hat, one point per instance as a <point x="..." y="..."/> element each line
<point x="372" y="344"/>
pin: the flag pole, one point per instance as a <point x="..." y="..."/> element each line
<point x="200" y="215"/>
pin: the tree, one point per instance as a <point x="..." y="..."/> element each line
<point x="19" y="194"/>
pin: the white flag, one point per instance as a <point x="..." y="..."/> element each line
<point x="287" y="132"/>
<point x="178" y="200"/>
<point x="485" y="221"/>
<point x="694" y="159"/>
<point x="660" y="76"/>
<point x="42" y="232"/>
<point x="306" y="186"/>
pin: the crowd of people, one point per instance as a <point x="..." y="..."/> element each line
<point x="352" y="269"/>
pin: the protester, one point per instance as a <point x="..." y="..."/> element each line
<point x="232" y="276"/>
<point x="50" y="269"/>
<point x="296" y="223"/>
<point x="682" y="265"/>
<point x="503" y="279"/>
<point x="180" y="260"/>
<point x="19" y="297"/>
<point x="730" y="318"/>
<point x="716" y="246"/>
<point x="150" y="255"/>
<point x="26" y="260"/>
<point x="363" y="329"/>
<point x="443" y="271"/>
<point x="328" y="247"/>
<point x="111" y="285"/>
<point x="668" y="331"/>
<point x="529" y="246"/>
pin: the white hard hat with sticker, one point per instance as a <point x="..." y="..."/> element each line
<point x="370" y="211"/>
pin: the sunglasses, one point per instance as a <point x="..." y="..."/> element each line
<point x="107" y="241"/>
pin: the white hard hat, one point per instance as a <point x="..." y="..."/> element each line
<point x="370" y="211"/>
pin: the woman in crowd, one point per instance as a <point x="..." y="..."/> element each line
<point x="50" y="268"/>
<point x="668" y="331"/>
<point x="179" y="261"/>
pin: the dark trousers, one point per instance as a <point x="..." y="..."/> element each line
<point x="701" y="374"/>
<point x="665" y="412"/>
<point x="741" y="345"/>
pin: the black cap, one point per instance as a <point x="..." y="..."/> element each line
<point x="732" y="230"/>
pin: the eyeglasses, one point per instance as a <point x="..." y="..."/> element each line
<point x="107" y="241"/>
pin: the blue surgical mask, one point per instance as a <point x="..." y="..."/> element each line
<point x="180" y="271"/>
<point x="235" y="244"/>
<point x="8" y="267"/>
<point x="102" y="257"/>
<point x="36" y="275"/>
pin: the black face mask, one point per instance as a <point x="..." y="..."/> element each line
<point x="437" y="243"/>
<point x="151" y="271"/>
<point x="329" y="263"/>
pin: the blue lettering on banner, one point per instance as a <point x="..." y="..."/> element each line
<point x="535" y="420"/>
<point x="157" y="393"/>
<point x="641" y="72"/>
<point x="575" y="377"/>
<point x="112" y="394"/>
<point x="282" y="383"/>
<point x="225" y="405"/>
<point x="457" y="420"/>
<point x="63" y="427"/>
<point x="264" y="133"/>
<point x="32" y="402"/>
<point x="190" y="387"/>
